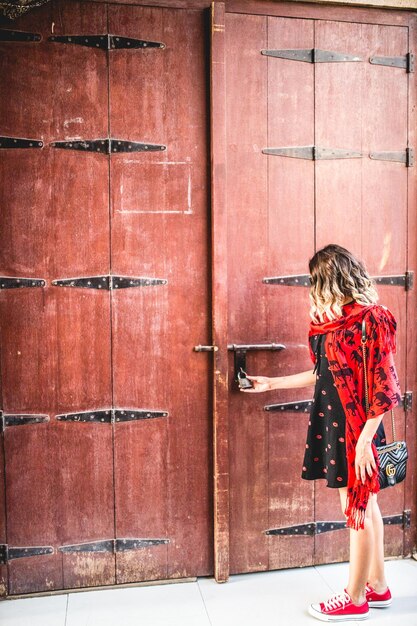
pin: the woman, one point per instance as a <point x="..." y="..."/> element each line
<point x="342" y="437"/>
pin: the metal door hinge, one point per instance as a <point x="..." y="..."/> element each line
<point x="105" y="42"/>
<point x="299" y="280"/>
<point x="18" y="35"/>
<point x="303" y="280"/>
<point x="108" y="282"/>
<point x="108" y="146"/>
<point x="10" y="282"/>
<point x="312" y="152"/>
<point x="406" y="157"/>
<point x="406" y="62"/>
<point x="318" y="528"/>
<point x="311" y="55"/>
<point x="19" y="419"/>
<point x="6" y="143"/>
<point x="407" y="400"/>
<point x="400" y="280"/>
<point x="111" y="416"/>
<point x="9" y="553"/>
<point x="301" y="406"/>
<point x="113" y="545"/>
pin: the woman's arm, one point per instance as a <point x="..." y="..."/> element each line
<point x="264" y="383"/>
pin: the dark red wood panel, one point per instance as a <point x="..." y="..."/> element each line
<point x="291" y="243"/>
<point x="410" y="496"/>
<point x="246" y="198"/>
<point x="3" y="529"/>
<point x="56" y="340"/>
<point x="159" y="229"/>
<point x="219" y="254"/>
<point x="362" y="203"/>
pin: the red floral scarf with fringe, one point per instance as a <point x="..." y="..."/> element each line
<point x="344" y="353"/>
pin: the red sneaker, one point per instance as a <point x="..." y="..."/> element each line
<point x="378" y="600"/>
<point x="339" y="608"/>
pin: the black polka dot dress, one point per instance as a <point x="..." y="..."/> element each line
<point x="325" y="453"/>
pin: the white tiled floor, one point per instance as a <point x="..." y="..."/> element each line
<point x="276" y="598"/>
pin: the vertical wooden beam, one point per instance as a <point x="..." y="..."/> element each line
<point x="219" y="291"/>
<point x="410" y="534"/>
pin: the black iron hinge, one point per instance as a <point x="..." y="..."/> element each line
<point x="303" y="406"/>
<point x="317" y="528"/>
<point x="7" y="143"/>
<point x="407" y="156"/>
<point x="111" y="416"/>
<point x="10" y="282"/>
<point x="106" y="42"/>
<point x="312" y="152"/>
<point x="18" y="35"/>
<point x="311" y="55"/>
<point x="108" y="146"/>
<point x="8" y="553"/>
<point x="406" y="62"/>
<point x="303" y="280"/>
<point x="407" y="401"/>
<point x="113" y="545"/>
<point x="108" y="282"/>
<point x="300" y="406"/>
<point x="20" y="419"/>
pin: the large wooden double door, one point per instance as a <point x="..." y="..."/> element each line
<point x="130" y="290"/>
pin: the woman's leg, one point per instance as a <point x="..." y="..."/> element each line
<point x="377" y="572"/>
<point x="362" y="543"/>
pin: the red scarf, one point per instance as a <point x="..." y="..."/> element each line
<point x="344" y="352"/>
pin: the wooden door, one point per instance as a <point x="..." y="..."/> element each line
<point x="105" y="405"/>
<point x="307" y="144"/>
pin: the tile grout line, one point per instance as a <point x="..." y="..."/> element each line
<point x="204" y="604"/>
<point x="66" y="610"/>
<point x="324" y="580"/>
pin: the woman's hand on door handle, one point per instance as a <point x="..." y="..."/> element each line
<point x="260" y="384"/>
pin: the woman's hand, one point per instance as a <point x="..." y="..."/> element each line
<point x="260" y="383"/>
<point x="364" y="459"/>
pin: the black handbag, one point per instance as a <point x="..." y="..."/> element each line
<point x="393" y="456"/>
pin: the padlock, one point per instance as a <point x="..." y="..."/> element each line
<point x="243" y="382"/>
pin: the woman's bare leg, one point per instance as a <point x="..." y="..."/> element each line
<point x="362" y="543"/>
<point x="377" y="571"/>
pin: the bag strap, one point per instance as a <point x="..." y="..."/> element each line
<point x="365" y="373"/>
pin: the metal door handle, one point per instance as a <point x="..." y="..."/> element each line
<point x="241" y="349"/>
<point x="255" y="346"/>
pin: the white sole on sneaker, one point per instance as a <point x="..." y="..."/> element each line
<point x="335" y="618"/>
<point x="380" y="604"/>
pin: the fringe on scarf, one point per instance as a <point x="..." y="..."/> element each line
<point x="357" y="501"/>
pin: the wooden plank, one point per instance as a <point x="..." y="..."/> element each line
<point x="56" y="341"/>
<point x="291" y="242"/>
<point x="311" y="10"/>
<point x="341" y="9"/>
<point x="372" y="193"/>
<point x="247" y="206"/>
<point x="159" y="228"/>
<point x="219" y="292"/>
<point x="3" y="528"/>
<point x="384" y="190"/>
<point x="410" y="499"/>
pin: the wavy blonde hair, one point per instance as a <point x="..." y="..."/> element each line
<point x="336" y="276"/>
